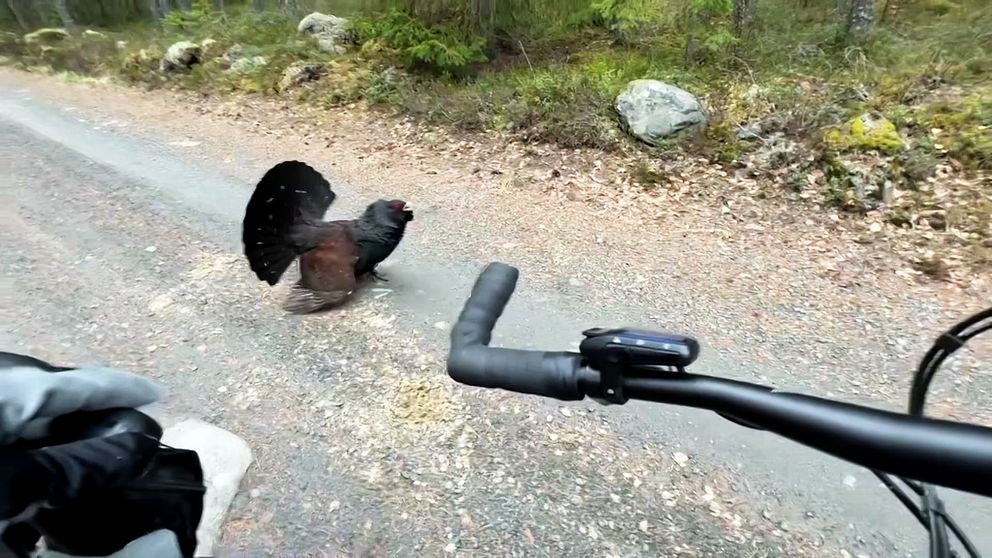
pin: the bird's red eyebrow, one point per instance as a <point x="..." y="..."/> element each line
<point x="396" y="205"/>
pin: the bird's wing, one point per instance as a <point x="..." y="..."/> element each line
<point x="282" y="217"/>
<point x="330" y="266"/>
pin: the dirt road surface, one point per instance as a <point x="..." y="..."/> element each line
<point x="120" y="224"/>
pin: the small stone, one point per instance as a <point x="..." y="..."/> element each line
<point x="565" y="411"/>
<point x="334" y="506"/>
<point x="152" y="348"/>
<point x="593" y="533"/>
<point x="151" y="249"/>
<point x="680" y="458"/>
<point x="450" y="548"/>
<point x="159" y="303"/>
<point x="222" y="389"/>
<point x="255" y="493"/>
<point x="643" y="525"/>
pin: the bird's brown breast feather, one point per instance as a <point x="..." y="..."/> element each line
<point x="330" y="266"/>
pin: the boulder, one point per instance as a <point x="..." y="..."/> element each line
<point x="209" y="48"/>
<point x="652" y="110"/>
<point x="142" y="65"/>
<point x="46" y="36"/>
<point x="232" y="55"/>
<point x="248" y="64"/>
<point x="181" y="56"/>
<point x="867" y="132"/>
<point x="10" y="43"/>
<point x="300" y="72"/>
<point x="333" y="34"/>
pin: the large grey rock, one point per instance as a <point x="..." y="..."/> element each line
<point x="232" y="54"/>
<point x="180" y="56"/>
<point x="652" y="110"/>
<point x="225" y="459"/>
<point x="333" y="34"/>
<point x="248" y="65"/>
<point x="209" y="48"/>
<point x="46" y="36"/>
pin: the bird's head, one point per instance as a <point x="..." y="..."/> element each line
<point x="390" y="212"/>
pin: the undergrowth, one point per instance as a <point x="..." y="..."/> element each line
<point x="791" y="72"/>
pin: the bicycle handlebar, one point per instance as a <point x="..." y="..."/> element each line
<point x="940" y="452"/>
<point x="471" y="361"/>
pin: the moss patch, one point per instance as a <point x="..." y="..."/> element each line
<point x="867" y="132"/>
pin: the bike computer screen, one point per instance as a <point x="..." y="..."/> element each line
<point x="639" y="347"/>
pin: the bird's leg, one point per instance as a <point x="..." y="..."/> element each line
<point x="375" y="275"/>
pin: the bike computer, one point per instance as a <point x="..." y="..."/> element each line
<point x="637" y="347"/>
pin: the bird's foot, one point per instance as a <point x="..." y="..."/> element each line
<point x="376" y="277"/>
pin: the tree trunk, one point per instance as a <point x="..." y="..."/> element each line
<point x="861" y="18"/>
<point x="690" y="49"/>
<point x="183" y="5"/>
<point x="258" y="5"/>
<point x="890" y="10"/>
<point x="219" y="5"/>
<point x="290" y="7"/>
<point x="482" y="14"/>
<point x="67" y="22"/>
<point x="18" y="15"/>
<point x="743" y="11"/>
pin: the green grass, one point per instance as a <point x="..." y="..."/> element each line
<point x="554" y="79"/>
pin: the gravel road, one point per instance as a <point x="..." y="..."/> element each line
<point x="121" y="246"/>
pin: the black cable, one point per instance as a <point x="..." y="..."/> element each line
<point x="933" y="507"/>
<point x="912" y="506"/>
<point x="945" y="345"/>
<point x="932" y="513"/>
<point x="969" y="547"/>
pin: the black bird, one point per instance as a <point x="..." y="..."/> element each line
<point x="284" y="221"/>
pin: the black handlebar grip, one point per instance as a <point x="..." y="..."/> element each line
<point x="472" y="362"/>
<point x="489" y="296"/>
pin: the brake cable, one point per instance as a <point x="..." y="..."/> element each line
<point x="930" y="512"/>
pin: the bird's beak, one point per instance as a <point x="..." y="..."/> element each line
<point x="408" y="212"/>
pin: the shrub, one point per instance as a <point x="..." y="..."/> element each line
<point x="437" y="49"/>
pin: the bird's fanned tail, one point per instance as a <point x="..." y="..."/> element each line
<point x="282" y="220"/>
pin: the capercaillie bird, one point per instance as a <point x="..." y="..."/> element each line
<point x="284" y="222"/>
